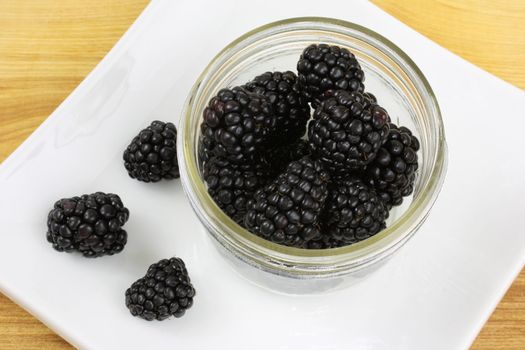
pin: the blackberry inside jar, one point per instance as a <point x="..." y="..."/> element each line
<point x="309" y="161"/>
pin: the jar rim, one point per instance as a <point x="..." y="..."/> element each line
<point x="310" y="261"/>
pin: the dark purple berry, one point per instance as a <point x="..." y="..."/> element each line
<point x="232" y="185"/>
<point x="290" y="107"/>
<point x="152" y="155"/>
<point x="323" y="68"/>
<point x="347" y="131"/>
<point x="165" y="291"/>
<point x="236" y="125"/>
<point x="81" y="224"/>
<point x="287" y="210"/>
<point x="393" y="171"/>
<point x="353" y="212"/>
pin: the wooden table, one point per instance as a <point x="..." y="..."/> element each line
<point x="47" y="47"/>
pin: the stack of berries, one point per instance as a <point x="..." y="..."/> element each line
<point x="307" y="160"/>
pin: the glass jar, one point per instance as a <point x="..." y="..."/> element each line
<point x="400" y="88"/>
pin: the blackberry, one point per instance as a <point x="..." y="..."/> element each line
<point x="91" y="224"/>
<point x="236" y="123"/>
<point x="279" y="157"/>
<point x="287" y="210"/>
<point x="152" y="154"/>
<point x="393" y="171"/>
<point x="323" y="68"/>
<point x="291" y="108"/>
<point x="231" y="185"/>
<point x="353" y="212"/>
<point x="347" y="130"/>
<point x="165" y="291"/>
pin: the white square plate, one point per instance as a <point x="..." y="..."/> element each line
<point x="435" y="293"/>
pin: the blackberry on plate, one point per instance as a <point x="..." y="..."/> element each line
<point x="393" y="171"/>
<point x="232" y="185"/>
<point x="347" y="130"/>
<point x="165" y="291"/>
<point x="323" y="68"/>
<point x="91" y="224"/>
<point x="291" y="108"/>
<point x="353" y="212"/>
<point x="287" y="210"/>
<point x="236" y="124"/>
<point x="152" y="154"/>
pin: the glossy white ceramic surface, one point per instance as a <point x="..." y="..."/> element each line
<point x="435" y="293"/>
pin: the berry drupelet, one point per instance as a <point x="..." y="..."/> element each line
<point x="393" y="171"/>
<point x="236" y="124"/>
<point x="291" y="108"/>
<point x="287" y="210"/>
<point x="165" y="291"/>
<point x="323" y="68"/>
<point x="353" y="212"/>
<point x="347" y="130"/>
<point x="91" y="224"/>
<point x="152" y="155"/>
<point x="232" y="185"/>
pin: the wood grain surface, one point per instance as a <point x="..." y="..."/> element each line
<point x="47" y="47"/>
